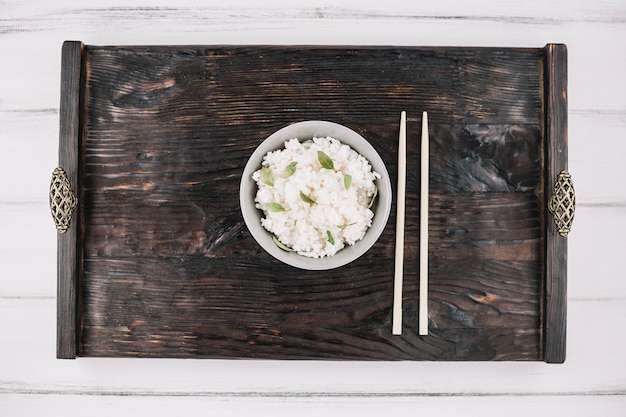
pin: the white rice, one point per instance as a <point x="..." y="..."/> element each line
<point x="339" y="215"/>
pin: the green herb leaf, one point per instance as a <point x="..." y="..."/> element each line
<point x="373" y="198"/>
<point x="347" y="180"/>
<point x="281" y="244"/>
<point x="343" y="226"/>
<point x="330" y="237"/>
<point x="274" y="207"/>
<point x="291" y="168"/>
<point x="325" y="160"/>
<point x="306" y="198"/>
<point x="267" y="176"/>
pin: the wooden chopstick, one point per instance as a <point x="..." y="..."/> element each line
<point x="399" y="265"/>
<point x="423" y="304"/>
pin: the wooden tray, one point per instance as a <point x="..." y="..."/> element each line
<point x="157" y="261"/>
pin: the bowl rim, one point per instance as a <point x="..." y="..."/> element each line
<point x="382" y="205"/>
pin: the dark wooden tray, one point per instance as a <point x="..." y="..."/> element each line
<point x="157" y="261"/>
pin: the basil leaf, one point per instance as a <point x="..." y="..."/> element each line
<point x="281" y="244"/>
<point x="347" y="180"/>
<point x="330" y="237"/>
<point x="274" y="207"/>
<point x="325" y="160"/>
<point x="267" y="176"/>
<point x="291" y="168"/>
<point x="306" y="198"/>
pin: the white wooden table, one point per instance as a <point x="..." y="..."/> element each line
<point x="592" y="382"/>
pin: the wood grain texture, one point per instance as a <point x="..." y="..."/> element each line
<point x="170" y="269"/>
<point x="70" y="137"/>
<point x="556" y="160"/>
<point x="307" y="405"/>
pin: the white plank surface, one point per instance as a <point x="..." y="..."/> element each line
<point x="591" y="382"/>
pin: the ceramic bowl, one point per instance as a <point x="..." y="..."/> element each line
<point x="304" y="131"/>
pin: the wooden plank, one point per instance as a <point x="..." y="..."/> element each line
<point x="306" y="404"/>
<point x="555" y="73"/>
<point x="70" y="134"/>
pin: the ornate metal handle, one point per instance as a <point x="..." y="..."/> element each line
<point x="562" y="204"/>
<point x="63" y="200"/>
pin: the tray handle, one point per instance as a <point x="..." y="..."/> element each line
<point x="562" y="204"/>
<point x="63" y="200"/>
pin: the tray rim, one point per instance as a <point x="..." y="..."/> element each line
<point x="555" y="117"/>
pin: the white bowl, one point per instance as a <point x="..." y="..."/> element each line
<point x="304" y="131"/>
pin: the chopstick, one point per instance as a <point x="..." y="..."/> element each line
<point x="423" y="304"/>
<point x="399" y="265"/>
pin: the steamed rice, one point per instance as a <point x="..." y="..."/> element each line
<point x="311" y="209"/>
